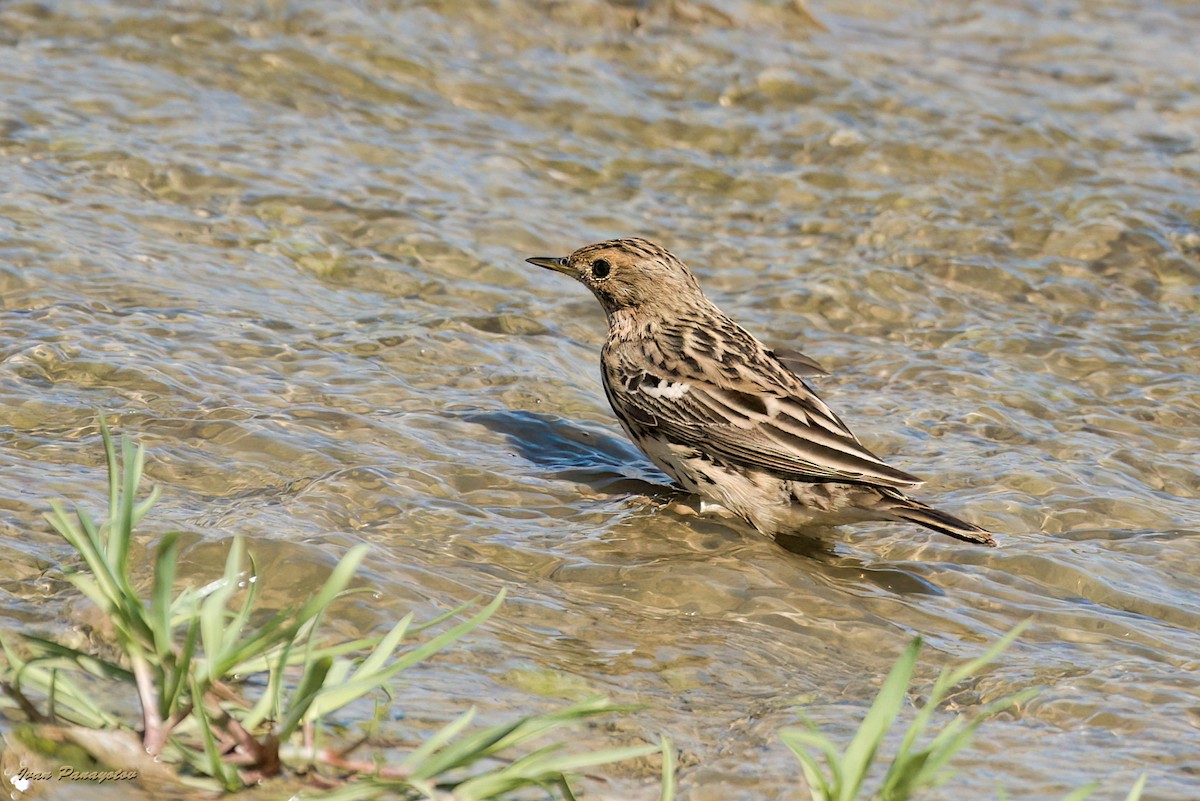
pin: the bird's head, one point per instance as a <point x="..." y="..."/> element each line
<point x="627" y="274"/>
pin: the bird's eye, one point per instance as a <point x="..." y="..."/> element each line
<point x="601" y="268"/>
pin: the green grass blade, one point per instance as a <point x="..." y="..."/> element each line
<point x="370" y="674"/>
<point x="213" y="765"/>
<point x="160" y="594"/>
<point x="505" y="779"/>
<point x="438" y="739"/>
<point x="800" y="742"/>
<point x="668" y="770"/>
<point x="339" y="674"/>
<point x="288" y="625"/>
<point x="88" y="548"/>
<point x="77" y="705"/>
<point x="176" y="678"/>
<point x="919" y="725"/>
<point x="235" y="624"/>
<point x="490" y="741"/>
<point x="214" y="614"/>
<point x="386" y="647"/>
<point x="444" y="616"/>
<point x="541" y="767"/>
<point x="89" y="663"/>
<point x="574" y="763"/>
<point x="110" y="457"/>
<point x="264" y="660"/>
<point x="120" y="529"/>
<point x="342" y="573"/>
<point x="971" y="668"/>
<point x="363" y="791"/>
<point x="141" y="509"/>
<point x="1135" y="792"/>
<point x="340" y="692"/>
<point x="1082" y="793"/>
<point x="860" y="754"/>
<point x="241" y="619"/>
<point x="271" y="700"/>
<point x="424" y="651"/>
<point x="306" y="692"/>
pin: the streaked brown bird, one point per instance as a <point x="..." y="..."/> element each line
<point x="725" y="416"/>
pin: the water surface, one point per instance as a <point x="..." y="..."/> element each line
<point x="282" y="244"/>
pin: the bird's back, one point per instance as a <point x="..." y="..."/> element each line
<point x="701" y="380"/>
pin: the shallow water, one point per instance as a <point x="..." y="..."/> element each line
<point x="282" y="243"/>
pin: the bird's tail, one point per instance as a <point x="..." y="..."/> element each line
<point x="905" y="508"/>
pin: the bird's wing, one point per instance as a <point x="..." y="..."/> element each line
<point x="799" y="363"/>
<point x="783" y="429"/>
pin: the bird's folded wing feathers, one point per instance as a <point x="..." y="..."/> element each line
<point x="793" y="434"/>
<point x="799" y="363"/>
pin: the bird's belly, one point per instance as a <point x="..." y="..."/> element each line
<point x="829" y="504"/>
<point x="759" y="498"/>
<point x="769" y="503"/>
<point x="686" y="465"/>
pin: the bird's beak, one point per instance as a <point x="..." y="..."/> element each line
<point x="551" y="263"/>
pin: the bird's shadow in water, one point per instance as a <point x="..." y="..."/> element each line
<point x="607" y="464"/>
<point x="572" y="452"/>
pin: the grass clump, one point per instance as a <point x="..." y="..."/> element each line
<point x="230" y="695"/>
<point x="914" y="768"/>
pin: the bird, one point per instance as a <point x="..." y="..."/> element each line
<point x="728" y="418"/>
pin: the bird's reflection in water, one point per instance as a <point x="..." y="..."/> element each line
<point x="845" y="568"/>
